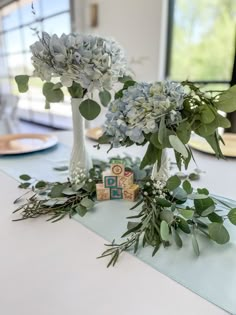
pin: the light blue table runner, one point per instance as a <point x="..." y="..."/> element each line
<point x="212" y="275"/>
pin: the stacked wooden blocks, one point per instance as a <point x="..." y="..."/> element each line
<point x="117" y="183"/>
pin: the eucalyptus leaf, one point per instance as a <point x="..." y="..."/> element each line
<point x="187" y="214"/>
<point x="232" y="216"/>
<point x="25" y="177"/>
<point x="164" y="230"/>
<point x="81" y="210"/>
<point x="105" y="97"/>
<point x="177" y="238"/>
<point x="52" y="95"/>
<point x="187" y="187"/>
<point x="22" y="83"/>
<point x="218" y="233"/>
<point x="183" y="225"/>
<point x="89" y="109"/>
<point x="173" y="182"/>
<point x="167" y="216"/>
<point x="87" y="203"/>
<point x="178" y="145"/>
<point x="227" y="100"/>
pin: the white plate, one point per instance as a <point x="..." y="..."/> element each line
<point x="26" y="143"/>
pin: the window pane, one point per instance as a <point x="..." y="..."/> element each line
<point x="59" y="24"/>
<point x="13" y="41"/>
<point x="10" y="16"/>
<point x="30" y="35"/>
<point x="26" y="13"/>
<point x="2" y="45"/>
<point x="50" y="7"/>
<point x="203" y="40"/>
<point x="4" y="67"/>
<point x="16" y="64"/>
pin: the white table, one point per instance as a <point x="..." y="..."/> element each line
<point x="50" y="269"/>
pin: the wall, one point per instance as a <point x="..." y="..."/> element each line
<point x="139" y="26"/>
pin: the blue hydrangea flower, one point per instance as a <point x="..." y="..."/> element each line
<point x="141" y="109"/>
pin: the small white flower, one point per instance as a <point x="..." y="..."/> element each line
<point x="145" y="193"/>
<point x="90" y="180"/>
<point x="154" y="192"/>
<point x="148" y="184"/>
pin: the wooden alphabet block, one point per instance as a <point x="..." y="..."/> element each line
<point x="106" y="173"/>
<point x="126" y="180"/>
<point x="131" y="193"/>
<point x="110" y="181"/>
<point x="116" y="193"/>
<point x="102" y="192"/>
<point x="117" y="169"/>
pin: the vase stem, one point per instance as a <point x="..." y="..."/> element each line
<point x="79" y="156"/>
<point x="163" y="172"/>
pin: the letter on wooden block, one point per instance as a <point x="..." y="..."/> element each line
<point x="102" y="192"/>
<point x="110" y="181"/>
<point x="116" y="193"/>
<point x="126" y="180"/>
<point x="117" y="169"/>
<point x="131" y="192"/>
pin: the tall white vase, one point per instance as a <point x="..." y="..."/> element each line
<point x="164" y="172"/>
<point x="80" y="159"/>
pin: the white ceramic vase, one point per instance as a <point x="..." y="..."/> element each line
<point x="164" y="172"/>
<point x="79" y="155"/>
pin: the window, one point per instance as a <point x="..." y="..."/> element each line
<point x="201" y="45"/>
<point x="17" y="24"/>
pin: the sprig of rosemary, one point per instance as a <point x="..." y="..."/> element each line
<point x="169" y="209"/>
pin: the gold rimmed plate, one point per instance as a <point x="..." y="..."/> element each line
<point x="229" y="149"/>
<point x="94" y="133"/>
<point x="12" y="144"/>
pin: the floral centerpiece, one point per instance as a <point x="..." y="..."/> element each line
<point x="163" y="114"/>
<point x="82" y="63"/>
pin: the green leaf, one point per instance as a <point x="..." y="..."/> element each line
<point x="208" y="211"/>
<point x="167" y="216"/>
<point x="105" y="97"/>
<point x="68" y="191"/>
<point x="173" y="182"/>
<point x="61" y="168"/>
<point x="163" y="202"/>
<point x="187" y="214"/>
<point x="41" y="184"/>
<point x="164" y="230"/>
<point x="89" y="109"/>
<point x="56" y="191"/>
<point x="24" y="185"/>
<point x="222" y="121"/>
<point x="52" y="95"/>
<point x="187" y="187"/>
<point x="178" y="145"/>
<point x="203" y="204"/>
<point x="22" y="83"/>
<point x="183" y="225"/>
<point x="183" y="132"/>
<point x="180" y="194"/>
<point x="195" y="245"/>
<point x="214" y="217"/>
<point x="218" y="233"/>
<point x="232" y="216"/>
<point x="177" y="238"/>
<point x="207" y="115"/>
<point x="76" y="90"/>
<point x="155" y="141"/>
<point x="87" y="203"/>
<point x="125" y="78"/>
<point x="194" y="176"/>
<point x="197" y="196"/>
<point x="81" y="210"/>
<point x="132" y="225"/>
<point x="214" y="143"/>
<point x="150" y="156"/>
<point x="227" y="100"/>
<point x="25" y="177"/>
